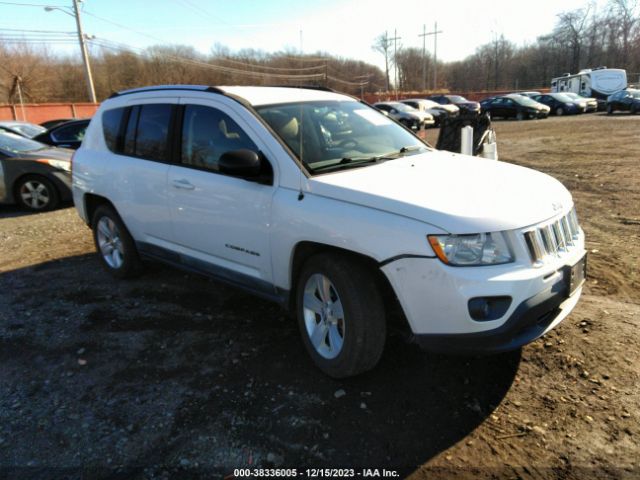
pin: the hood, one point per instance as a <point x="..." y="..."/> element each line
<point x="51" y="153"/>
<point x="457" y="193"/>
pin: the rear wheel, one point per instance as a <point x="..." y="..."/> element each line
<point x="609" y="109"/>
<point x="559" y="111"/>
<point x="520" y="116"/>
<point x="36" y="193"/>
<point x="114" y="244"/>
<point x="633" y="109"/>
<point x="340" y="315"/>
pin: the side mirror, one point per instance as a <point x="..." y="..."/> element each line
<point x="240" y="163"/>
<point x="384" y="112"/>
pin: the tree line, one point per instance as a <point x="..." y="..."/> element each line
<point x="42" y="76"/>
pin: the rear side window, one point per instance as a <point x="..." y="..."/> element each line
<point x="111" y="127"/>
<point x="152" y="132"/>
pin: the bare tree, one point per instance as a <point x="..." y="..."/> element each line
<point x="382" y="44"/>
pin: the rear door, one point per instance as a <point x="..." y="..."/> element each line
<point x="220" y="223"/>
<point x="139" y="173"/>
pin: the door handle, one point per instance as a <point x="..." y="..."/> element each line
<point x="183" y="184"/>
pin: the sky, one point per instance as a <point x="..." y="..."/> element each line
<point x="345" y="28"/>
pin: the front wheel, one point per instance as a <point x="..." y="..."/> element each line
<point x="114" y="244"/>
<point x="633" y="110"/>
<point x="340" y="315"/>
<point x="559" y="111"/>
<point x="520" y="116"/>
<point x="609" y="109"/>
<point x="37" y="193"/>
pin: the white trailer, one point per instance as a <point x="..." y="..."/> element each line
<point x="597" y="83"/>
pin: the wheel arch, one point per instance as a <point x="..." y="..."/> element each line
<point x="304" y="250"/>
<point x="92" y="202"/>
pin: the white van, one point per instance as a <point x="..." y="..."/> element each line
<point x="319" y="202"/>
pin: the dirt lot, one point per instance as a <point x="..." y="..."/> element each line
<point x="171" y="375"/>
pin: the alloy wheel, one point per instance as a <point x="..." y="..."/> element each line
<point x="323" y="316"/>
<point x="110" y="243"/>
<point x="35" y="194"/>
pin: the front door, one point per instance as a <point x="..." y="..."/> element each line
<point x="220" y="223"/>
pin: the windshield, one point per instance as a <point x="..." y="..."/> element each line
<point x="12" y="143"/>
<point x="563" y="97"/>
<point x="525" y="101"/>
<point x="341" y="134"/>
<point x="457" y="99"/>
<point x="403" y="107"/>
<point x="27" y="129"/>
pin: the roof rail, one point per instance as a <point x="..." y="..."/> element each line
<point x="307" y="87"/>
<point x="157" y="88"/>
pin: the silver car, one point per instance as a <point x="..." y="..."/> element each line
<point x="408" y="116"/>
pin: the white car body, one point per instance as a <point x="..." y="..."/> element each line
<point x="247" y="233"/>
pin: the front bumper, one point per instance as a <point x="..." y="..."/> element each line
<point x="435" y="299"/>
<point x="531" y="319"/>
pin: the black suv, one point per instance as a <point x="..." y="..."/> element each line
<point x="628" y="100"/>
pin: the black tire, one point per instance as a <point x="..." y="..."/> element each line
<point x="36" y="193"/>
<point x="364" y="323"/>
<point x="609" y="109"/>
<point x="633" y="110"/>
<point x="130" y="265"/>
<point x="520" y="116"/>
<point x="559" y="111"/>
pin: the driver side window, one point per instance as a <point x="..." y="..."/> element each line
<point x="208" y="133"/>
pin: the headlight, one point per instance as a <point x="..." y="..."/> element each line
<point x="59" y="164"/>
<point x="471" y="250"/>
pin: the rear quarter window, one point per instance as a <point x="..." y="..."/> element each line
<point x="111" y="120"/>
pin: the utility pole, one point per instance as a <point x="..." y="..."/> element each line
<point x="85" y="55"/>
<point x="395" y="59"/>
<point x="74" y="11"/>
<point x="424" y="36"/>
<point x="435" y="54"/>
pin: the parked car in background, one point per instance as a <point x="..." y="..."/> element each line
<point x="561" y="104"/>
<point x="626" y="100"/>
<point x="24" y="129"/>
<point x="591" y="103"/>
<point x="406" y="115"/>
<point x="465" y="106"/>
<point x="66" y="135"/>
<point x="514" y="106"/>
<point x="49" y="124"/>
<point x="481" y="256"/>
<point x="33" y="175"/>
<point x="437" y="111"/>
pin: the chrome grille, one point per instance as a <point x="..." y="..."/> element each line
<point x="554" y="238"/>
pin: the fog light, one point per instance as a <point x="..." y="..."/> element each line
<point x="484" y="309"/>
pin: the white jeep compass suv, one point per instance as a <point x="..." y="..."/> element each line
<point x="321" y="203"/>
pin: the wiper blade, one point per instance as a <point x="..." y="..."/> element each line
<point x="348" y="162"/>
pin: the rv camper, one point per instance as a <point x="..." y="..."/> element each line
<point x="597" y="83"/>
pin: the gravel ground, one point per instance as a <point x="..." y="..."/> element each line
<point x="175" y="376"/>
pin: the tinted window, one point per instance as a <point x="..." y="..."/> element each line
<point x="130" y="134"/>
<point x="208" y="133"/>
<point x="152" y="132"/>
<point x="69" y="133"/>
<point x="111" y="127"/>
